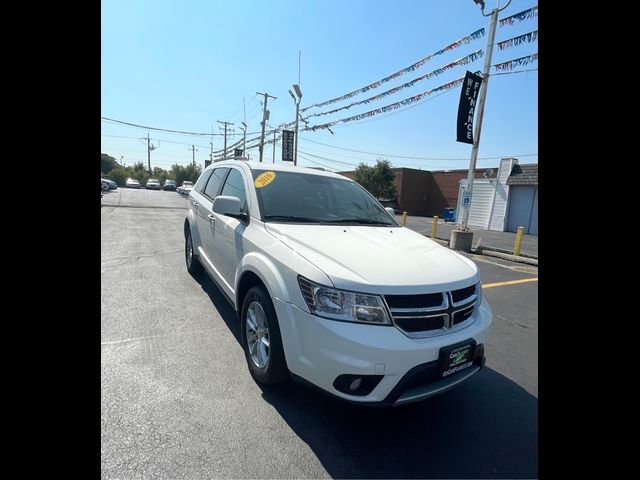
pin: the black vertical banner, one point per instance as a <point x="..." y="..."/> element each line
<point x="287" y="145"/>
<point x="467" y="107"/>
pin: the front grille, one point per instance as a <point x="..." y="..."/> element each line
<point x="431" y="314"/>
<point x="414" y="301"/>
<point x="462" y="315"/>
<point x="463" y="293"/>
<point x="420" y="324"/>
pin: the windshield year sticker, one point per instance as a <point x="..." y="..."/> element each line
<point x="265" y="179"/>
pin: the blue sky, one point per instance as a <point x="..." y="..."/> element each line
<point x="184" y="65"/>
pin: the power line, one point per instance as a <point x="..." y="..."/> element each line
<point x="159" y="129"/>
<point x="413" y="157"/>
<point x="158" y="139"/>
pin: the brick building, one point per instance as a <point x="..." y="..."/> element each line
<point x="426" y="193"/>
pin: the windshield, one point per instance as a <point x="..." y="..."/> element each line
<point x="297" y="197"/>
<point x="187" y="184"/>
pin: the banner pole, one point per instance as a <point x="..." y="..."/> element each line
<point x="481" y="101"/>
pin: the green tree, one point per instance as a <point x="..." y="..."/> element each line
<point x="189" y="172"/>
<point x="378" y="180"/>
<point x="119" y="175"/>
<point x="160" y="174"/>
<point x="107" y="163"/>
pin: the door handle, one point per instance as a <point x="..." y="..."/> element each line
<point x="195" y="205"/>
<point x="211" y="218"/>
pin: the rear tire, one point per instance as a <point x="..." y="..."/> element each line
<point x="194" y="267"/>
<point x="261" y="338"/>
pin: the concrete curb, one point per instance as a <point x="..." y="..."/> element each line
<point x="507" y="252"/>
<point x="507" y="256"/>
<point x="490" y="252"/>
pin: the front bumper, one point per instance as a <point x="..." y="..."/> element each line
<point x="319" y="350"/>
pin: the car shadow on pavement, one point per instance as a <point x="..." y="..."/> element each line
<point x="486" y="427"/>
<point x="220" y="302"/>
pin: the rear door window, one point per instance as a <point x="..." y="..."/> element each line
<point x="215" y="182"/>
<point x="202" y="181"/>
<point x="234" y="186"/>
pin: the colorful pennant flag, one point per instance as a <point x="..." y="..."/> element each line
<point x="518" y="62"/>
<point x="464" y="40"/>
<point x="461" y="61"/>
<point x="391" y="107"/>
<point x="526" y="38"/>
<point x="520" y="16"/>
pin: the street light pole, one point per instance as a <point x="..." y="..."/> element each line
<point x="297" y="100"/>
<point x="482" y="95"/>
<point x="244" y="139"/>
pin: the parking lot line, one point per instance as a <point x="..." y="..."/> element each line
<point x="510" y="282"/>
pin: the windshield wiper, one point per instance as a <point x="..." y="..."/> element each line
<point x="292" y="218"/>
<point x="366" y="221"/>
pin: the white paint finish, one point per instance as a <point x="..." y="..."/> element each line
<point x="377" y="259"/>
<point x="327" y="348"/>
<point x="370" y="259"/>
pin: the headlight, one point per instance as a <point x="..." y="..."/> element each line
<point x="342" y="305"/>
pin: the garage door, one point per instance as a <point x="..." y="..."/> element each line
<point x="523" y="209"/>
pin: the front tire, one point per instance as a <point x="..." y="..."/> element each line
<point x="194" y="267"/>
<point x="261" y="338"/>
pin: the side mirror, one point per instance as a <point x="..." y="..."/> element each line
<point x="229" y="206"/>
<point x="390" y="211"/>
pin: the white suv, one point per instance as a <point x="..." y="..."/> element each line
<point x="329" y="289"/>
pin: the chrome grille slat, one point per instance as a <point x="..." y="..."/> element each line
<point x="418" y="320"/>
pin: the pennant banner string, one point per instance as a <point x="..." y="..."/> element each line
<point x="526" y="38"/>
<point x="462" y="41"/>
<point x="518" y="62"/>
<point x="391" y="107"/>
<point x="520" y="16"/>
<point x="462" y="61"/>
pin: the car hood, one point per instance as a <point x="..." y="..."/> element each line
<point x="378" y="259"/>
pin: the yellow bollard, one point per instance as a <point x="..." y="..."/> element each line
<point x="434" y="227"/>
<point x="404" y="219"/>
<point x="516" y="247"/>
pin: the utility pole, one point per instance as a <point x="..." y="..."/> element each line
<point x="463" y="239"/>
<point x="274" y="145"/>
<point x="149" y="148"/>
<point x="225" y="136"/>
<point x="264" y="120"/>
<point x="482" y="95"/>
<point x="211" y="143"/>
<point x="194" y="150"/>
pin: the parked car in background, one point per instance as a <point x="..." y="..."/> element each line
<point x="153" y="184"/>
<point x="169" y="185"/>
<point x="104" y="186"/>
<point x="133" y="183"/>
<point x="185" y="188"/>
<point x="112" y="185"/>
<point x="330" y="289"/>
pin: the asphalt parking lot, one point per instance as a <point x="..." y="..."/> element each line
<point x="178" y="401"/>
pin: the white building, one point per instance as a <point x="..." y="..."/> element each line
<point x="506" y="202"/>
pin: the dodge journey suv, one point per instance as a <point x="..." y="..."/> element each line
<point x="330" y="289"/>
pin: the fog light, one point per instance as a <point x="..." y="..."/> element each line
<point x="358" y="385"/>
<point x="355" y="384"/>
